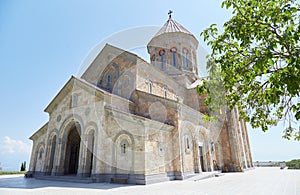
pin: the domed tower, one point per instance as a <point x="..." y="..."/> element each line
<point x="173" y="50"/>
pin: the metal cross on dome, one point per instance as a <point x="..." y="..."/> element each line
<point x="170" y="13"/>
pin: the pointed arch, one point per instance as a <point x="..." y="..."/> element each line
<point x="52" y="141"/>
<point x="108" y="77"/>
<point x="70" y="135"/>
<point x="39" y="157"/>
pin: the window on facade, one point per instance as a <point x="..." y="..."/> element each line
<point x="153" y="58"/>
<point x="74" y="100"/>
<point x="150" y="87"/>
<point x="40" y="154"/>
<point x="108" y="82"/>
<point x="212" y="146"/>
<point x="174" y="56"/>
<point x="162" y="58"/>
<point x="165" y="92"/>
<point x="185" y="58"/>
<point x="124" y="146"/>
<point x="187" y="143"/>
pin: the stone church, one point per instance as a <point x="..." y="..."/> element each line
<point x="127" y="120"/>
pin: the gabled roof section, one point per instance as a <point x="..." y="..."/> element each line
<point x="61" y="94"/>
<point x="172" y="26"/>
<point x="66" y="89"/>
<point x="104" y="57"/>
<point x="39" y="132"/>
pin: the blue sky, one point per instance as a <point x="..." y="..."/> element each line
<point x="43" y="43"/>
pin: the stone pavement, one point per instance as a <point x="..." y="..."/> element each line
<point x="256" y="181"/>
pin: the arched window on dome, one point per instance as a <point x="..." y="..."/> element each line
<point x="174" y="56"/>
<point x="108" y="82"/>
<point x="185" y="58"/>
<point x="153" y="59"/>
<point x="162" y="58"/>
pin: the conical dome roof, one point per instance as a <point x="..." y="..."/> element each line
<point x="172" y="26"/>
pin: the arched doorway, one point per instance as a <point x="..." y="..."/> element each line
<point x="72" y="150"/>
<point x="201" y="158"/>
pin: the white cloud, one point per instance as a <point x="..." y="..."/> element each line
<point x="11" y="146"/>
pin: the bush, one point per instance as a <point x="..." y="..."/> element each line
<point x="12" y="172"/>
<point x="293" y="164"/>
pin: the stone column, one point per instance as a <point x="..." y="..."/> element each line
<point x="232" y="137"/>
<point x="33" y="157"/>
<point x="47" y="157"/>
<point x="247" y="144"/>
<point x="94" y="155"/>
<point x="82" y="154"/>
<point x="211" y="159"/>
<point x="238" y="139"/>
<point x="60" y="155"/>
<point x="181" y="153"/>
<point x="240" y="127"/>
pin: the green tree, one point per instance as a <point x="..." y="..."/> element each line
<point x="258" y="57"/>
<point x="293" y="164"/>
<point x="22" y="167"/>
<point x="213" y="85"/>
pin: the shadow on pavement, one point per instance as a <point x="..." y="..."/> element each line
<point x="20" y="182"/>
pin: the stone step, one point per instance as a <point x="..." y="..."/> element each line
<point x="119" y="180"/>
<point x="204" y="175"/>
<point x="219" y="174"/>
<point x="189" y="176"/>
<point x="72" y="179"/>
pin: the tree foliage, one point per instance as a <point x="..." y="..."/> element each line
<point x="257" y="55"/>
<point x="293" y="164"/>
<point x="213" y="85"/>
<point x="23" y="166"/>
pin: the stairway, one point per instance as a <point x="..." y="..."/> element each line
<point x="66" y="178"/>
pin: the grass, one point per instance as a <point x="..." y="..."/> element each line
<point x="12" y="172"/>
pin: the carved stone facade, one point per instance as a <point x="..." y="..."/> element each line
<point x="127" y="118"/>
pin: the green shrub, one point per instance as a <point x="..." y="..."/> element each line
<point x="293" y="164"/>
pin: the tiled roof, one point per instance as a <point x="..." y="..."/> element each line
<point x="172" y="26"/>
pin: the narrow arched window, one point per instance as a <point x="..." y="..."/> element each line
<point x="187" y="143"/>
<point x="174" y="56"/>
<point x="165" y="92"/>
<point x="153" y="59"/>
<point x="149" y="87"/>
<point x="185" y="58"/>
<point x="124" y="146"/>
<point x="41" y="154"/>
<point x="108" y="82"/>
<point x="162" y="58"/>
<point x="74" y="100"/>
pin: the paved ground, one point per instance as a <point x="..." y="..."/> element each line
<point x="257" y="181"/>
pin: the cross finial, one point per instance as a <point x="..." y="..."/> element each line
<point x="170" y="13"/>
